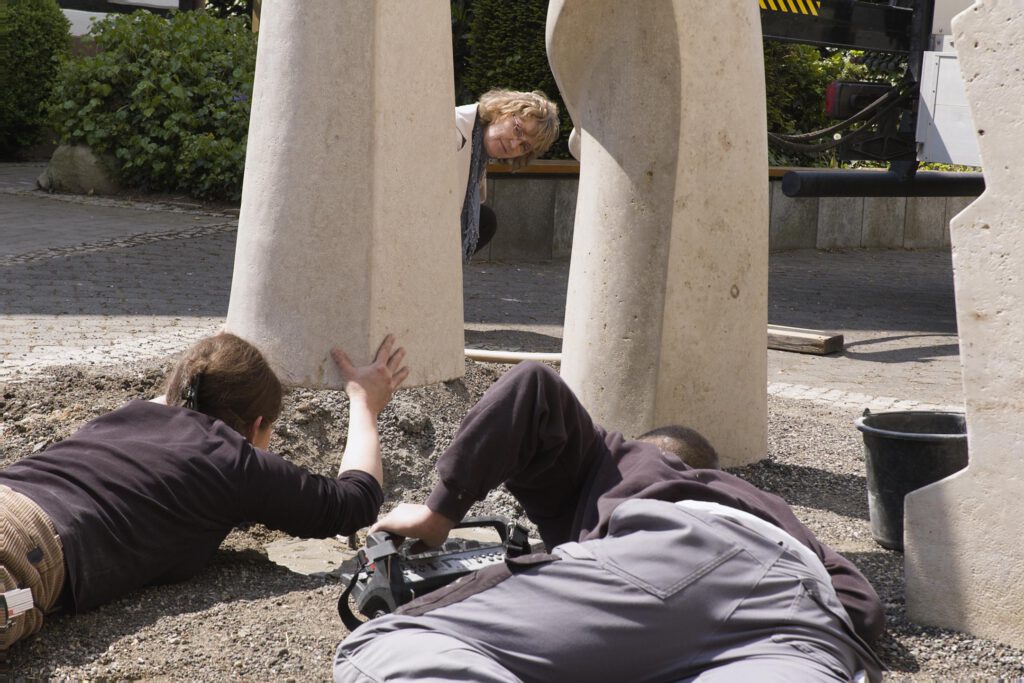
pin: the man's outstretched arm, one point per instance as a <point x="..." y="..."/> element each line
<point x="529" y="432"/>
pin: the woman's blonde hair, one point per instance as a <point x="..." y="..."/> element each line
<point x="227" y="378"/>
<point x="496" y="104"/>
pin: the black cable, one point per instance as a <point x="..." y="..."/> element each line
<point x="824" y="146"/>
<point x="843" y="125"/>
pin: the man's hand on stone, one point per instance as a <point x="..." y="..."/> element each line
<point x="416" y="521"/>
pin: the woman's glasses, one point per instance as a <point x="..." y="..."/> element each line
<point x="517" y="130"/>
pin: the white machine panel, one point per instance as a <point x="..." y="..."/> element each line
<point x="945" y="131"/>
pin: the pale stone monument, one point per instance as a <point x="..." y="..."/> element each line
<point x="666" y="315"/>
<point x="964" y="550"/>
<point x="349" y="226"/>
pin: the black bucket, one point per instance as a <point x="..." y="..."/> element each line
<point x="904" y="451"/>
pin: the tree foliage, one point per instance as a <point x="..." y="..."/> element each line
<point x="34" y="38"/>
<point x="168" y="97"/>
<point x="229" y="8"/>
<point x="796" y="77"/>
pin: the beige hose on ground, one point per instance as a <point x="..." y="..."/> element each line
<point x="487" y="356"/>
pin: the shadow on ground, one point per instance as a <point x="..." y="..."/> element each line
<point x="513" y="340"/>
<point x="811" y="487"/>
<point x="912" y="354"/>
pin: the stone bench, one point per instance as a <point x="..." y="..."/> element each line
<point x="858" y="222"/>
<point x="537" y="205"/>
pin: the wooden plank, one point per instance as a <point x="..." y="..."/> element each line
<point x="803" y="340"/>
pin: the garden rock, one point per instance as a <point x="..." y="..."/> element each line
<point x="78" y="170"/>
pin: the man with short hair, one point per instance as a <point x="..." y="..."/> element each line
<point x="657" y="571"/>
<point x="687" y="444"/>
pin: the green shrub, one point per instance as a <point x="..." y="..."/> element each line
<point x="167" y="97"/>
<point x="229" y="8"/>
<point x="796" y="77"/>
<point x="33" y="40"/>
<point x="506" y="50"/>
<point x="462" y="14"/>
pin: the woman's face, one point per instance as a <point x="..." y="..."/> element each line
<point x="510" y="137"/>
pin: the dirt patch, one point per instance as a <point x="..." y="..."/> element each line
<point x="246" y="618"/>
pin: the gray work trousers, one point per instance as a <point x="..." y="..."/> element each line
<point x="670" y="594"/>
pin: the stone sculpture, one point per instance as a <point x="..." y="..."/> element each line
<point x="349" y="225"/>
<point x="963" y="550"/>
<point x="666" y="314"/>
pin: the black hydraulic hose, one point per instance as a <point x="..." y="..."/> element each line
<point x="843" y="125"/>
<point x="863" y="131"/>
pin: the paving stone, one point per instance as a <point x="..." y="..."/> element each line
<point x="101" y="281"/>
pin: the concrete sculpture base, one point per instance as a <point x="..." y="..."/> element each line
<point x="349" y="226"/>
<point x="667" y="302"/>
<point x="964" y="549"/>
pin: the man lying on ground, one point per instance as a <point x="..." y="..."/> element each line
<point x="687" y="444"/>
<point x="657" y="571"/>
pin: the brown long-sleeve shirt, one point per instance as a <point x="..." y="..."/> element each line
<point x="146" y="494"/>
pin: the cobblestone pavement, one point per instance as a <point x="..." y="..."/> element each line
<point x="100" y="281"/>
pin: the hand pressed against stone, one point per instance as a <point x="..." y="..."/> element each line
<point x="374" y="383"/>
<point x="369" y="388"/>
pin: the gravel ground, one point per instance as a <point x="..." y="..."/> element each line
<point x="246" y="618"/>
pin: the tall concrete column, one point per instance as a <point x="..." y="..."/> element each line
<point x="964" y="551"/>
<point x="666" y="315"/>
<point x="349" y="226"/>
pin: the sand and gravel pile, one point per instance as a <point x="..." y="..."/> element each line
<point x="246" y="618"/>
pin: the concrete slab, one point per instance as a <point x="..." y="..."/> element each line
<point x="565" y="217"/>
<point x="954" y="205"/>
<point x="883" y="221"/>
<point x="522" y="206"/>
<point x="794" y="222"/>
<point x="926" y="226"/>
<point x="840" y="222"/>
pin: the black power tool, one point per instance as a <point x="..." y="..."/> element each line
<point x="384" y="576"/>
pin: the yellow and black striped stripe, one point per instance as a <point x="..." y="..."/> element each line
<point x="792" y="6"/>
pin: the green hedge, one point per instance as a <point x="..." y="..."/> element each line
<point x="34" y="38"/>
<point x="168" y="97"/>
<point x="795" y="79"/>
<point x="462" y="15"/>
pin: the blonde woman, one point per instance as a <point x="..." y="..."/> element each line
<point x="504" y="124"/>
